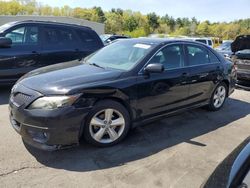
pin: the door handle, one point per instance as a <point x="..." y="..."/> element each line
<point x="185" y="74"/>
<point x="35" y="52"/>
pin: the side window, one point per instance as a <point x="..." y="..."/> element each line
<point x="197" y="55"/>
<point x="170" y="56"/>
<point x="27" y="35"/>
<point x="209" y="42"/>
<point x="213" y="58"/>
<point x="58" y="37"/>
<point x="86" y="38"/>
<point x="201" y="40"/>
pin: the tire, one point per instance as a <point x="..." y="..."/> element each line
<point x="219" y="95"/>
<point x="107" y="124"/>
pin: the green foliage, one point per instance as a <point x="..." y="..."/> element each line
<point x="100" y="14"/>
<point x="131" y="23"/>
<point x="113" y="23"/>
<point x="153" y="20"/>
<point x="182" y="31"/>
<point x="140" y="32"/>
<point x="203" y="29"/>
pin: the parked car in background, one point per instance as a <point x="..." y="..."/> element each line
<point x="108" y="38"/>
<point x="206" y="41"/>
<point x="27" y="45"/>
<point x="241" y="58"/>
<point x="225" y="49"/>
<point x="122" y="85"/>
<point x="234" y="170"/>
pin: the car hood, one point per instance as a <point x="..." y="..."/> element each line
<point x="243" y="54"/>
<point x="241" y="43"/>
<point x="65" y="78"/>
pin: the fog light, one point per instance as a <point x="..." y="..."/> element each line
<point x="40" y="137"/>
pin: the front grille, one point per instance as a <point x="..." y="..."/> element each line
<point x="21" y="98"/>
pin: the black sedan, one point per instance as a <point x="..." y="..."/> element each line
<point x="120" y="86"/>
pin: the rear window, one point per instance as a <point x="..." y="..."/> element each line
<point x="86" y="37"/>
<point x="197" y="55"/>
<point x="201" y="40"/>
<point x="213" y="58"/>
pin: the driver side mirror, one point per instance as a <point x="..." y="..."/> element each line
<point x="5" y="42"/>
<point x="154" y="68"/>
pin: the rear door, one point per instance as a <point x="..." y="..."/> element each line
<point x="24" y="53"/>
<point x="204" y="71"/>
<point x="59" y="45"/>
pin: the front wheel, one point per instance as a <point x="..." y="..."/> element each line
<point x="218" y="97"/>
<point x="107" y="124"/>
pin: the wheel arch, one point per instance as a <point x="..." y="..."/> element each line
<point x="227" y="84"/>
<point x="119" y="100"/>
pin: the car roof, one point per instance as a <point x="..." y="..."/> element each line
<point x="49" y="23"/>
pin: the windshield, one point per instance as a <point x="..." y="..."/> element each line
<point x="123" y="55"/>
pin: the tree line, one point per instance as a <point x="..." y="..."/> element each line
<point x="134" y="24"/>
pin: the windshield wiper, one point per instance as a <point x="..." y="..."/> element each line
<point x="96" y="65"/>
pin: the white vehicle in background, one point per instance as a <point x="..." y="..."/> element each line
<point x="206" y="41"/>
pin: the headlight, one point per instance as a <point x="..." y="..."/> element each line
<point x="53" y="102"/>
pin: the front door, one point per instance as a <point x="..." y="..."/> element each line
<point x="162" y="92"/>
<point x="23" y="55"/>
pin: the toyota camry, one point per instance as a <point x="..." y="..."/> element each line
<point x="122" y="85"/>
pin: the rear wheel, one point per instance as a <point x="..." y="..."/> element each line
<point x="218" y="97"/>
<point x="107" y="124"/>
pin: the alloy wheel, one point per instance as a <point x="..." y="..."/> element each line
<point x="107" y="125"/>
<point x="219" y="96"/>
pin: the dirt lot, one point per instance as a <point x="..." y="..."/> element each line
<point x="180" y="151"/>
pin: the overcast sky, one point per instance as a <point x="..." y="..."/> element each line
<point x="212" y="10"/>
